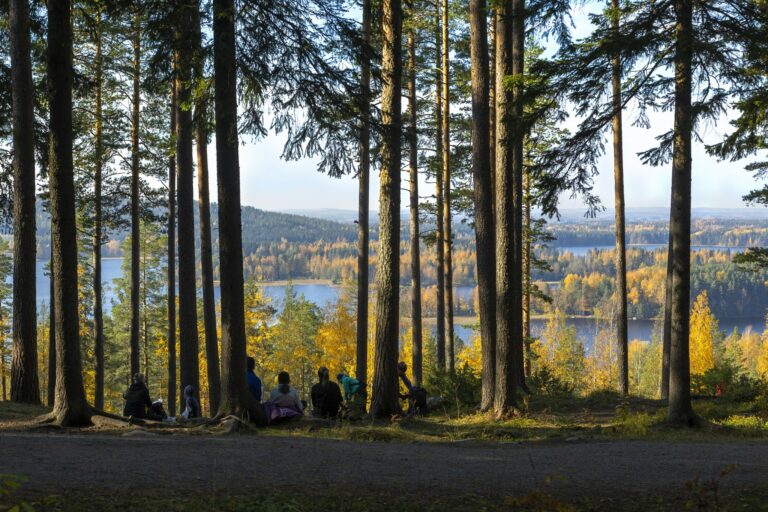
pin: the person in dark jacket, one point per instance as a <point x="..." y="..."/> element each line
<point x="192" y="405"/>
<point x="254" y="382"/>
<point x="326" y="396"/>
<point x="137" y="401"/>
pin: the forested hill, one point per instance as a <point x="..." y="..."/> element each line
<point x="260" y="227"/>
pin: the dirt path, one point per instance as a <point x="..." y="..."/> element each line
<point x="242" y="464"/>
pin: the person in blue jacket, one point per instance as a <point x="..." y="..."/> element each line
<point x="254" y="382"/>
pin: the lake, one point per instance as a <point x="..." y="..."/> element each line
<point x="583" y="250"/>
<point x="321" y="294"/>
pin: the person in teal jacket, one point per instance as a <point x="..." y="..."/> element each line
<point x="349" y="385"/>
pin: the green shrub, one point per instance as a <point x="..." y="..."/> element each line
<point x="728" y="381"/>
<point x="544" y="382"/>
<point x="461" y="387"/>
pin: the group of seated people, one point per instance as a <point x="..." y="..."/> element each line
<point x="284" y="401"/>
<point x="138" y="404"/>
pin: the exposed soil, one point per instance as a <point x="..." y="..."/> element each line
<point x="241" y="464"/>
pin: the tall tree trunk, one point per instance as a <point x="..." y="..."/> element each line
<point x="206" y="250"/>
<point x="666" y="336"/>
<point x="680" y="410"/>
<point x="505" y="399"/>
<point x="518" y="134"/>
<point x="621" y="249"/>
<point x="70" y="407"/>
<point x="188" y="337"/>
<point x="135" y="184"/>
<point x="447" y="235"/>
<point x="385" y="381"/>
<point x="235" y="397"/>
<point x="527" y="278"/>
<point x="483" y="189"/>
<point x="364" y="199"/>
<point x="492" y="102"/>
<point x="51" y="342"/>
<point x="172" y="389"/>
<point x="439" y="154"/>
<point x="98" y="315"/>
<point x="25" y="383"/>
<point x="413" y="168"/>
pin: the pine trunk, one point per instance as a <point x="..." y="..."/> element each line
<point x="680" y="410"/>
<point x="363" y="200"/>
<point x="172" y="390"/>
<point x="483" y="191"/>
<point x="206" y="245"/>
<point x="98" y="315"/>
<point x="70" y="406"/>
<point x="413" y="168"/>
<point x="235" y="397"/>
<point x="188" y="338"/>
<point x="25" y="383"/>
<point x="527" y="277"/>
<point x="506" y="384"/>
<point x="51" y="343"/>
<point x="135" y="184"/>
<point x="666" y="335"/>
<point x="440" y="339"/>
<point x="447" y="235"/>
<point x="621" y="249"/>
<point x="385" y="380"/>
<point x="518" y="134"/>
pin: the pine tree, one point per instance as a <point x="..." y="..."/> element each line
<point x="25" y="385"/>
<point x="483" y="185"/>
<point x="70" y="406"/>
<point x="385" y="382"/>
<point x="364" y="171"/>
<point x="235" y="397"/>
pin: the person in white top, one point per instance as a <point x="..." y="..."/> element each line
<point x="286" y="396"/>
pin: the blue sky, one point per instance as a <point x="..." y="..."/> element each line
<point x="273" y="184"/>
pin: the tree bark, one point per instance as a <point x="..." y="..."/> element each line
<point x="25" y="383"/>
<point x="680" y="410"/>
<point x="447" y="235"/>
<point x="621" y="249"/>
<point x="135" y="187"/>
<point x="413" y="168"/>
<point x="505" y="399"/>
<point x="206" y="245"/>
<point x="70" y="406"/>
<point x="172" y="389"/>
<point x="527" y="255"/>
<point x="235" y="397"/>
<point x="518" y="134"/>
<point x="188" y="337"/>
<point x="364" y="199"/>
<point x="440" y="339"/>
<point x="666" y="336"/>
<point x="98" y="315"/>
<point x="385" y="380"/>
<point x="51" y="343"/>
<point x="483" y="192"/>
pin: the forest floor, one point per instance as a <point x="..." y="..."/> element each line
<point x="584" y="457"/>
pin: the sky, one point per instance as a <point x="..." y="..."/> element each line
<point x="270" y="183"/>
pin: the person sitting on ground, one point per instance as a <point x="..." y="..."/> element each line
<point x="284" y="402"/>
<point x="254" y="382"/>
<point x="350" y="386"/>
<point x="137" y="402"/>
<point x="416" y="396"/>
<point x="284" y="395"/>
<point x="354" y="395"/>
<point x="326" y="396"/>
<point x="192" y="405"/>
